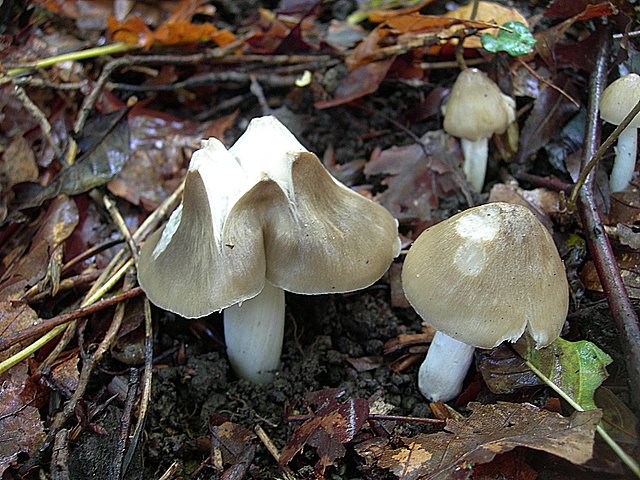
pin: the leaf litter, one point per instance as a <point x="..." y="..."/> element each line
<point x="139" y="155"/>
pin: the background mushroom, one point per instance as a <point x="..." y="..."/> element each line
<point x="476" y="109"/>
<point x="256" y="220"/>
<point x="483" y="276"/>
<point x="618" y="99"/>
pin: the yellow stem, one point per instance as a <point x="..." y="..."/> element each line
<point x="78" y="55"/>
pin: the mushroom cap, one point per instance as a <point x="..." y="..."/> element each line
<point x="298" y="228"/>
<point x="476" y="107"/>
<point x="486" y="275"/>
<point x="619" y="98"/>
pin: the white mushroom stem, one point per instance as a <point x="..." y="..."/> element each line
<point x="253" y="332"/>
<point x="625" y="162"/>
<point x="475" y="161"/>
<point x="443" y="371"/>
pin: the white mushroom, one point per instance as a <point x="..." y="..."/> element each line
<point x="476" y="109"/>
<point x="618" y="99"/>
<point x="256" y="220"/>
<point x="483" y="276"/>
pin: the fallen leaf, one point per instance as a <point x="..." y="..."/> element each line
<point x="362" y="81"/>
<point x="95" y="167"/>
<point x="548" y="39"/>
<point x="504" y="371"/>
<point x="629" y="263"/>
<point x="578" y="368"/>
<point x="14" y="317"/>
<point x="419" y="175"/>
<point x="617" y="419"/>
<point x="18" y="163"/>
<point x="477" y="439"/>
<point x="235" y="444"/>
<point x="176" y="30"/>
<point x="551" y="111"/>
<point x="65" y="375"/>
<point x="510" y="465"/>
<point x="332" y="424"/>
<point x="57" y="224"/>
<point x="21" y="429"/>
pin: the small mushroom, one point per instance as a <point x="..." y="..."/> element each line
<point x="255" y="220"/>
<point x="476" y="109"/>
<point x="618" y="99"/>
<point x="484" y="276"/>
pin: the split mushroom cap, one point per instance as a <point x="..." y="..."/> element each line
<point x="619" y="98"/>
<point x="486" y="275"/>
<point x="251" y="215"/>
<point x="476" y="107"/>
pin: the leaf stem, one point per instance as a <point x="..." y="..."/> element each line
<point x="626" y="459"/>
<point x="110" y="49"/>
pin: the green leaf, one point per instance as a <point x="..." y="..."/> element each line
<point x="517" y="41"/>
<point x="578" y="368"/>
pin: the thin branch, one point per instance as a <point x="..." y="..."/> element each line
<point x="41" y="328"/>
<point x="34" y="110"/>
<point x="600" y="153"/>
<point x="622" y="312"/>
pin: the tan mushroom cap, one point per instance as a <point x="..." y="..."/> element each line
<point x="486" y="275"/>
<point x="619" y="98"/>
<point x="476" y="107"/>
<point x="324" y="238"/>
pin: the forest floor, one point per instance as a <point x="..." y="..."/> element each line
<point x="93" y="146"/>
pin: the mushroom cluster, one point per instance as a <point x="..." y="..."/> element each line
<point x="617" y="101"/>
<point x="262" y="217"/>
<point x="485" y="275"/>
<point x="476" y="109"/>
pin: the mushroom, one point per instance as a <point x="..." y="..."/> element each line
<point x="484" y="276"/>
<point x="617" y="101"/>
<point x="255" y="220"/>
<point x="476" y="109"/>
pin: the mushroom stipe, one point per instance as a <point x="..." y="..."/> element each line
<point x="262" y="217"/>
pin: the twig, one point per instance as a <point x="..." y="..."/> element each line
<point x="78" y="55"/>
<point x="599" y="153"/>
<point x="168" y="474"/>
<point x="622" y="312"/>
<point x="626" y="459"/>
<point x="89" y="363"/>
<point x="34" y="110"/>
<point x="270" y="79"/>
<point x="60" y="458"/>
<point x="147" y="376"/>
<point x="96" y="249"/>
<point x="41" y="328"/>
<point x="548" y="83"/>
<point x="116" y="216"/>
<point x="273" y="450"/>
<point x="116" y="469"/>
<point x="36" y="294"/>
<point x="70" y="328"/>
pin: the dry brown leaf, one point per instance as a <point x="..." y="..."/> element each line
<point x="18" y="163"/>
<point x="416" y="180"/>
<point x="477" y="439"/>
<point x="21" y="429"/>
<point x="15" y="316"/>
<point x="333" y="424"/>
<point x="58" y="223"/>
